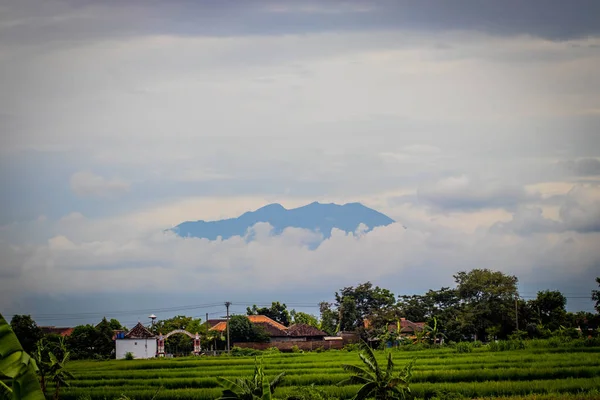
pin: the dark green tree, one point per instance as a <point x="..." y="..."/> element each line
<point x="550" y="308"/>
<point x="104" y="345"/>
<point x="487" y="299"/>
<point x="242" y="330"/>
<point x="277" y="312"/>
<point x="82" y="341"/>
<point x="115" y="325"/>
<point x="367" y="301"/>
<point x="27" y="331"/>
<point x="596" y="296"/>
<point x="329" y="319"/>
<point x="299" y="317"/>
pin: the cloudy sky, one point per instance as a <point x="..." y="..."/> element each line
<point x="476" y="124"/>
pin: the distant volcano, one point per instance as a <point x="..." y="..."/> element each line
<point x="315" y="216"/>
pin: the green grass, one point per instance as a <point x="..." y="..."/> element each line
<point x="533" y="373"/>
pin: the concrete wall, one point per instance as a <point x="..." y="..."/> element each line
<point x="140" y="348"/>
<point x="287" y="346"/>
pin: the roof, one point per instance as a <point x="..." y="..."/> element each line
<point x="139" y="332"/>
<point x="213" y="322"/>
<point x="274" y="328"/>
<point x="304" y="330"/>
<point x="48" y="330"/>
<point x="406" y="326"/>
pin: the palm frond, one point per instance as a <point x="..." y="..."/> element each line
<point x="276" y="381"/>
<point x="365" y="391"/>
<point x="355" y="369"/>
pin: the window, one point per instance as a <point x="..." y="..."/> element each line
<point x="135" y="343"/>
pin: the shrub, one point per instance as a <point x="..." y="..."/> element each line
<point x="129" y="356"/>
<point x="295" y="349"/>
<point x="463" y="347"/>
<point x="244" y="352"/>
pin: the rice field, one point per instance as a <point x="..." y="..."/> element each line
<point x="540" y="374"/>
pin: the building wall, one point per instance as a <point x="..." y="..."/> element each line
<point x="287" y="346"/>
<point x="140" y="348"/>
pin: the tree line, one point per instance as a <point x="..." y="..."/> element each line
<point x="483" y="305"/>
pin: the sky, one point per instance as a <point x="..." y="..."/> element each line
<point x="475" y="124"/>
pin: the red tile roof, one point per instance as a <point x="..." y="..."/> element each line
<point x="47" y="330"/>
<point x="139" y="332"/>
<point x="274" y="328"/>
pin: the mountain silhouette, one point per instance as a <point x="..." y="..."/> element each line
<point x="315" y="216"/>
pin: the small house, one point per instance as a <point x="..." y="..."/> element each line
<point x="139" y="341"/>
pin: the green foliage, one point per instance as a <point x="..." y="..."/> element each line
<point x="463" y="347"/>
<point x="329" y="319"/>
<point x="256" y="387"/>
<point x="244" y="352"/>
<point x="241" y="330"/>
<point x="296" y="349"/>
<point x="596" y="296"/>
<point x="27" y="331"/>
<point x="129" y="356"/>
<point x="376" y="381"/>
<point x="299" y="317"/>
<point x="355" y="304"/>
<point x="17" y="368"/>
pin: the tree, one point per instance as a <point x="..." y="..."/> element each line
<point x="57" y="369"/>
<point x="277" y="312"/>
<point x="329" y="319"/>
<point x="596" y="296"/>
<point x="366" y="300"/>
<point x="115" y="325"/>
<point x="27" y="331"/>
<point x="299" y="317"/>
<point x="378" y="382"/>
<point x="103" y="344"/>
<point x="550" y="308"/>
<point x="242" y="330"/>
<point x="487" y="299"/>
<point x="82" y="342"/>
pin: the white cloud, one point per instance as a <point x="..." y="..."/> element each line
<point x="88" y="184"/>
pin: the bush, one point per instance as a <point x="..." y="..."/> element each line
<point x="296" y="349"/>
<point x="463" y="347"/>
<point x="129" y="356"/>
<point x="243" y="352"/>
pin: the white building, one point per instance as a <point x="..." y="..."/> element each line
<point x="139" y="341"/>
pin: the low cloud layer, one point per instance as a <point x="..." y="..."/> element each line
<point x="86" y="184"/>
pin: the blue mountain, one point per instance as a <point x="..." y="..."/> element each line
<point x="314" y="216"/>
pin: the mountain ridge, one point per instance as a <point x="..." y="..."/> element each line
<point x="315" y="216"/>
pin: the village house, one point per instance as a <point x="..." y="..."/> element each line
<point x="139" y="341"/>
<point x="303" y="336"/>
<point x="53" y="330"/>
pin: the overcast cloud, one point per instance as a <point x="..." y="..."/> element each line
<point x="475" y="125"/>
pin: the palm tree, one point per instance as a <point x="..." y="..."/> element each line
<point x="254" y="388"/>
<point x="377" y="382"/>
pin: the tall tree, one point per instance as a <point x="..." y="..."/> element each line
<point x="277" y="312"/>
<point x="367" y="300"/>
<point x="27" y="331"/>
<point x="488" y="301"/>
<point x="82" y="341"/>
<point x="104" y="345"/>
<point x="550" y="308"/>
<point x="299" y="317"/>
<point x="329" y="318"/>
<point x="596" y="295"/>
<point x="242" y="330"/>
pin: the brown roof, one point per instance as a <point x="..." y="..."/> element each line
<point x="47" y="330"/>
<point x="213" y="322"/>
<point x="273" y="328"/>
<point x="304" y="330"/>
<point x="139" y="332"/>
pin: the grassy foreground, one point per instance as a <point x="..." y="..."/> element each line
<point x="532" y="374"/>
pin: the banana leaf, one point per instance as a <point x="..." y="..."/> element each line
<point x="18" y="367"/>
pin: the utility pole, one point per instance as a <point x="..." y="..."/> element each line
<point x="207" y="326"/>
<point x="227" y="304"/>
